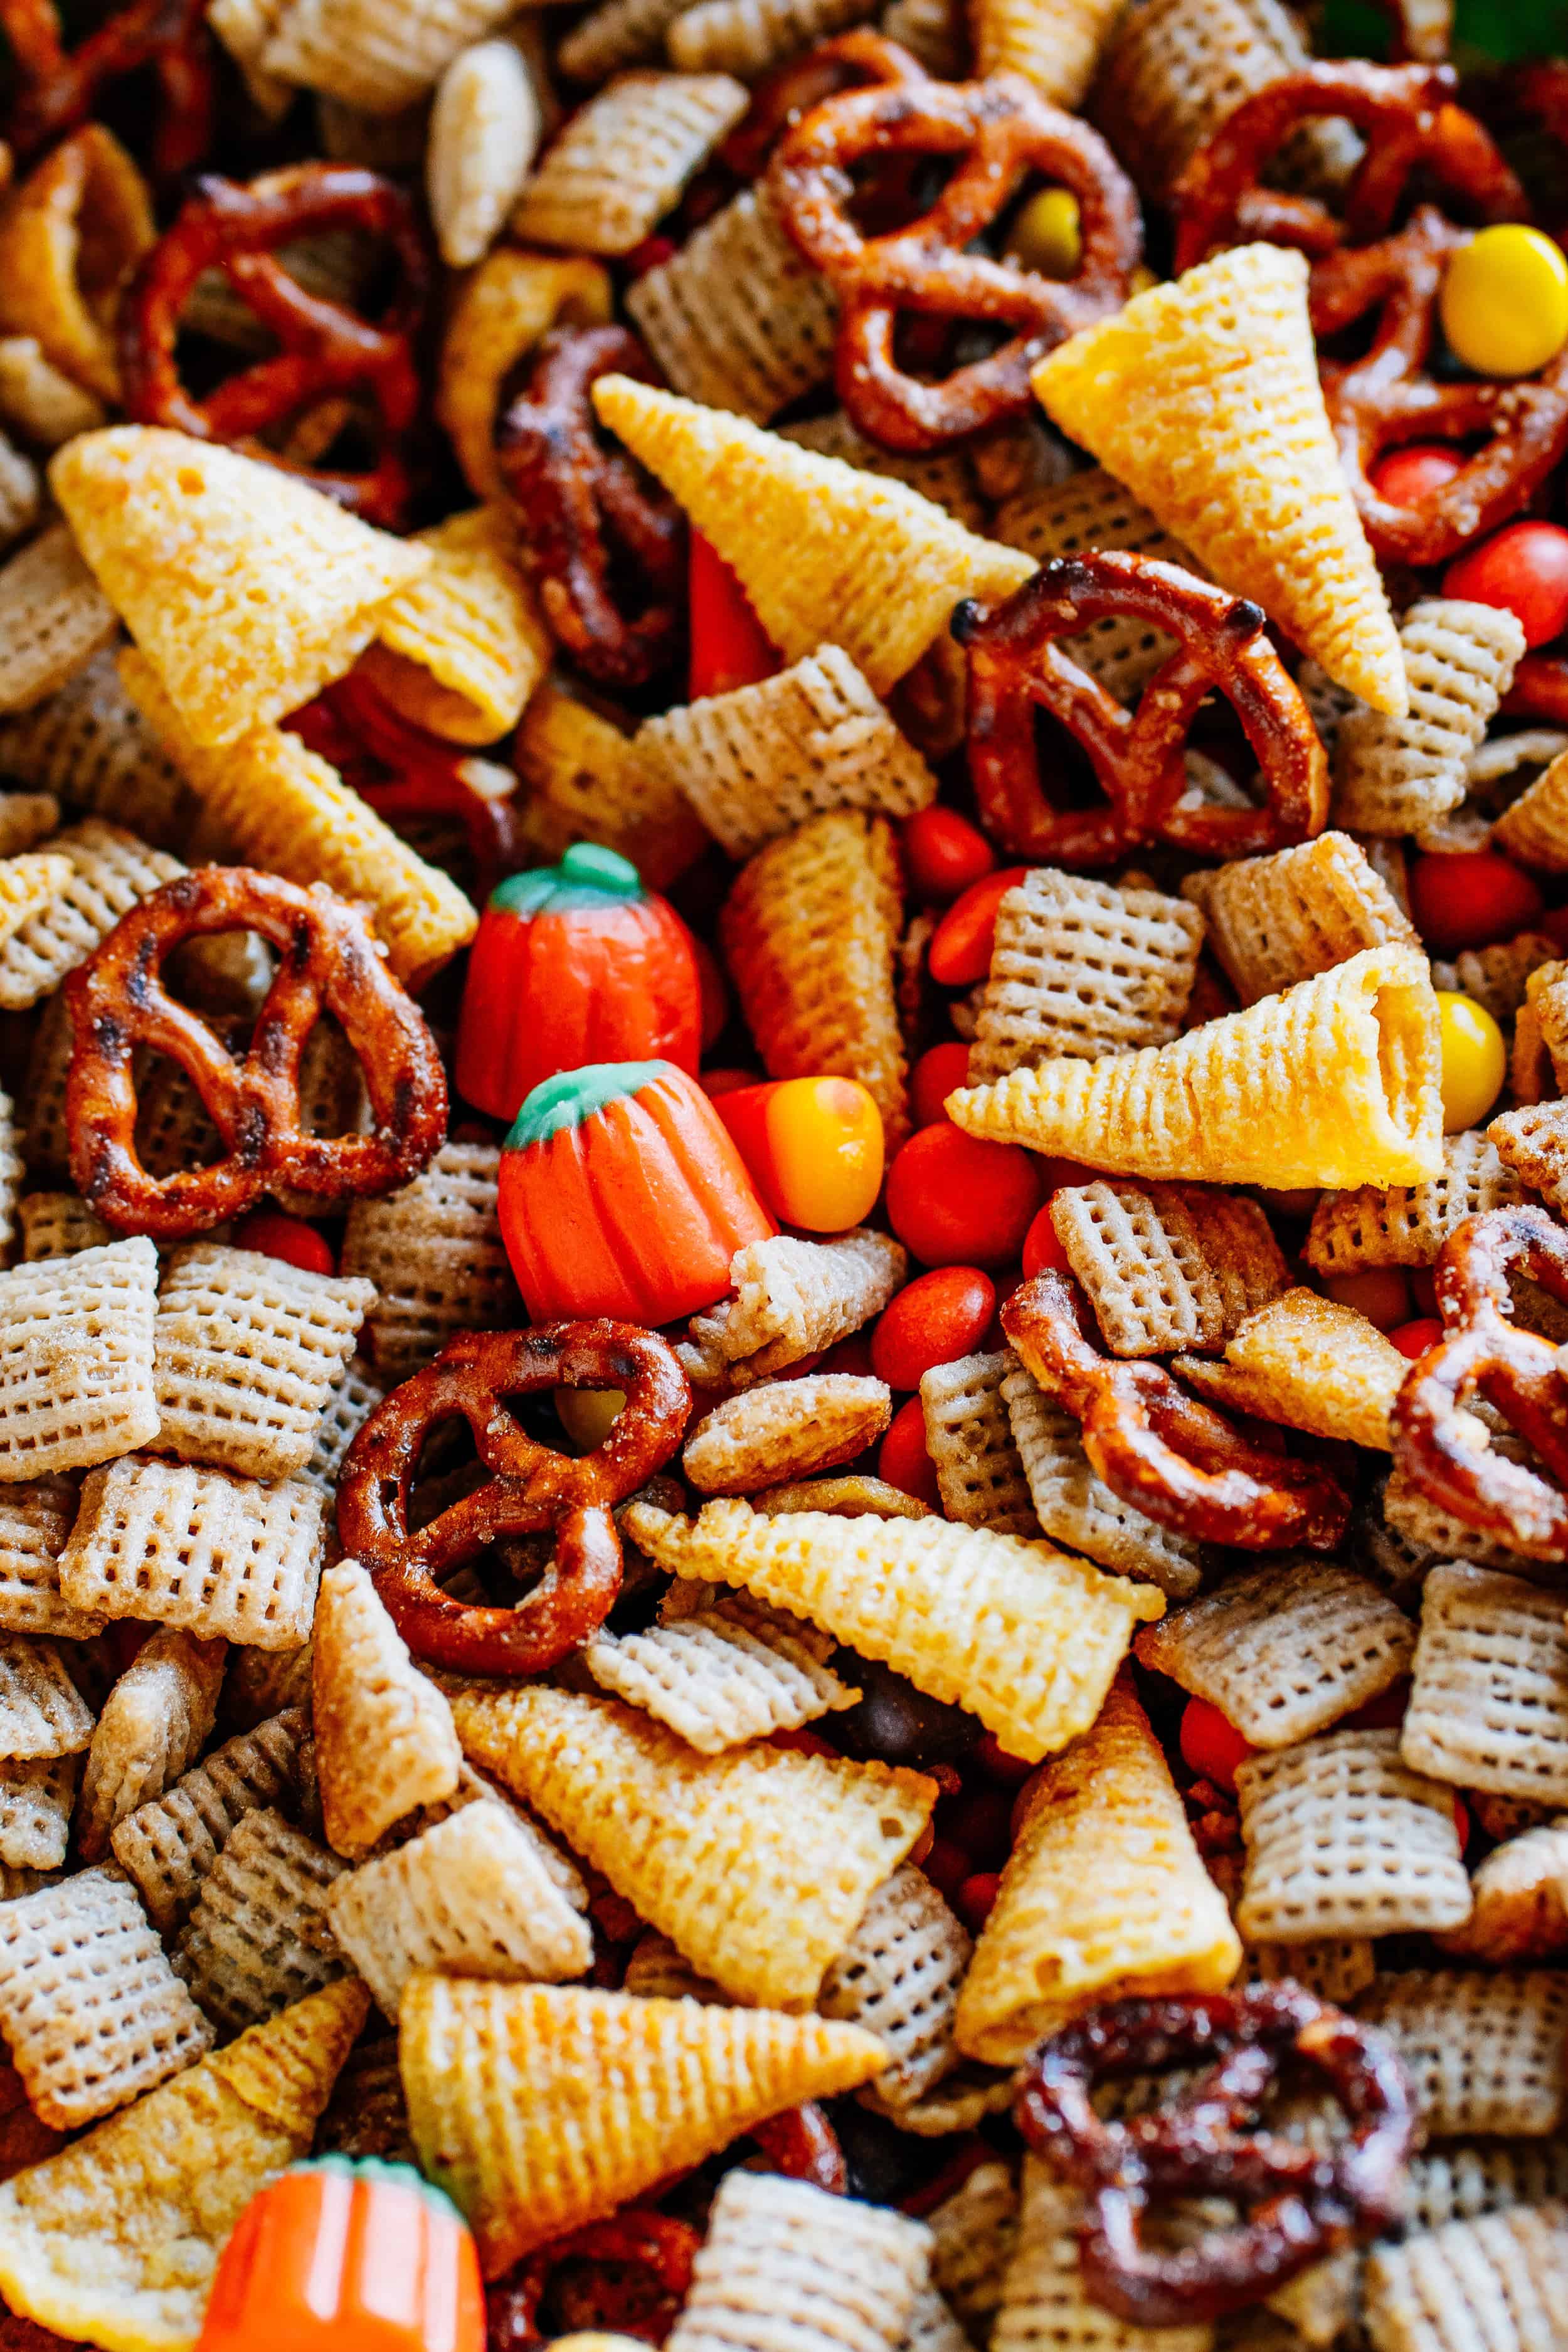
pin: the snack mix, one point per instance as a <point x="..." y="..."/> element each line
<point x="783" y="1176"/>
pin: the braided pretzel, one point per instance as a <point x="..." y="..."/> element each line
<point x="794" y="88"/>
<point x="582" y="505"/>
<point x="327" y="348"/>
<point x="1411" y="123"/>
<point x="1443" y="1449"/>
<point x="57" y="90"/>
<point x="1002" y="129"/>
<point x="1178" y="1461"/>
<point x="1387" y="397"/>
<point x="530" y="1488"/>
<point x="659" y="2249"/>
<point x="329" y="963"/>
<point x="1017" y="667"/>
<point x="1300" y="2204"/>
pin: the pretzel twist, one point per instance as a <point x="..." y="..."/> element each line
<point x="1444" y="1449"/>
<point x="792" y="89"/>
<point x="1001" y="131"/>
<point x="1177" y="1460"/>
<point x="530" y="1488"/>
<point x="583" y="506"/>
<point x="1017" y="667"/>
<point x="327" y="349"/>
<point x="1300" y="2204"/>
<point x="658" y="2250"/>
<point x="327" y="964"/>
<point x="57" y="90"/>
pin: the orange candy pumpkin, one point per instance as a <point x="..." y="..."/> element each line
<point x="621" y="1194"/>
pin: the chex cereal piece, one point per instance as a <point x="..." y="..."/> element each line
<point x="585" y="783"/>
<point x="91" y="2011"/>
<point x="1520" y="1894"/>
<point x="245" y="1350"/>
<point x="54" y="618"/>
<point x="1344" y="1839"/>
<point x="1074" y="1504"/>
<point x="42" y="1713"/>
<point x="945" y="477"/>
<point x="715" y="1682"/>
<point x="259" y="1684"/>
<point x="970" y="1441"/>
<point x="354" y="1397"/>
<point x="468" y="1897"/>
<point x="737" y="319"/>
<point x="1093" y="509"/>
<point x="785" y="1429"/>
<point x="26" y="818"/>
<point x="1309" y="1363"/>
<point x="434" y="1252"/>
<point x="1532" y="1143"/>
<point x="246" y="589"/>
<point x="1408" y="1224"/>
<point x="1498" y="976"/>
<point x="758" y="761"/>
<point x="623" y="158"/>
<point x="35" y="1523"/>
<point x="793" y="1298"/>
<point x="45" y="1144"/>
<point x="1490" y="1705"/>
<point x="973" y="2236"/>
<point x="57" y="1225"/>
<point x="285" y="808"/>
<point x="1082" y="967"/>
<point x="169" y="1844"/>
<point x="200" y="1548"/>
<point x="1167" y="1266"/>
<point x="1284" y="1651"/>
<point x="1501" y="2282"/>
<point x="1395" y="775"/>
<point x="384" y="1740"/>
<point x="88" y="744"/>
<point x="827" y="553"/>
<point x="710" y="1849"/>
<point x="1460" y="2182"/>
<point x="1104" y="1895"/>
<point x="899" y="1975"/>
<point x="29" y="884"/>
<point x="1535" y="827"/>
<point x="655" y="1972"/>
<point x="1421" y="1534"/>
<point x="460" y="651"/>
<point x="86" y="2237"/>
<point x="784" y="2262"/>
<point x="1025" y="1638"/>
<point x="1332" y="1083"/>
<point x="1278" y="919"/>
<point x="257" y="1939"/>
<point x="494" y="2072"/>
<point x="111" y="869"/>
<point x="1055" y="44"/>
<point x="156" y="1721"/>
<point x="747" y="37"/>
<point x="1337" y="1966"/>
<point x="35" y="1802"/>
<point x="1044" y="2301"/>
<point x="809" y="932"/>
<point x="1484" y="2052"/>
<point x="1171" y="74"/>
<point x="960" y="2102"/>
<point x="1259" y="494"/>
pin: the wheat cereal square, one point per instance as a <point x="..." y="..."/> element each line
<point x="435" y="1254"/>
<point x="979" y="1472"/>
<point x="257" y="1939"/>
<point x="1490" y="1705"/>
<point x="1344" y="1839"/>
<point x="1485" y="2052"/>
<point x="1082" y="967"/>
<point x="169" y="1844"/>
<point x="76" y="1359"/>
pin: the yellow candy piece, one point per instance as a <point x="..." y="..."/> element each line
<point x="1047" y="235"/>
<point x="587" y="1415"/>
<point x="1475" y="1060"/>
<point x="1504" y="301"/>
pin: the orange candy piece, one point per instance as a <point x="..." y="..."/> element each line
<point x="813" y="1148"/>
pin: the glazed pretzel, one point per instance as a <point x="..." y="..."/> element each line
<point x="58" y="89"/>
<point x="1411" y="123"/>
<point x="1015" y="667"/>
<point x="660" y="2252"/>
<point x="328" y="351"/>
<point x="327" y="964"/>
<point x="1387" y="397"/>
<point x="1178" y="1461"/>
<point x="583" y="504"/>
<point x="1300" y="2204"/>
<point x="1443" y="1448"/>
<point x="1003" y="129"/>
<point x="793" y="90"/>
<point x="530" y="1488"/>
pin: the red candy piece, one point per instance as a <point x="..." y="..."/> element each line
<point x="960" y="951"/>
<point x="289" y="1238"/>
<point x="936" y="1319"/>
<point x="939" y="1072"/>
<point x="1212" y="1744"/>
<point x="944" y="855"/>
<point x="730" y="646"/>
<point x="1407" y="475"/>
<point x="1524" y="568"/>
<point x="1412" y="1339"/>
<point x="956" y="1199"/>
<point x="1042" y="1248"/>
<point x="903" y="1461"/>
<point x="1471" y="901"/>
